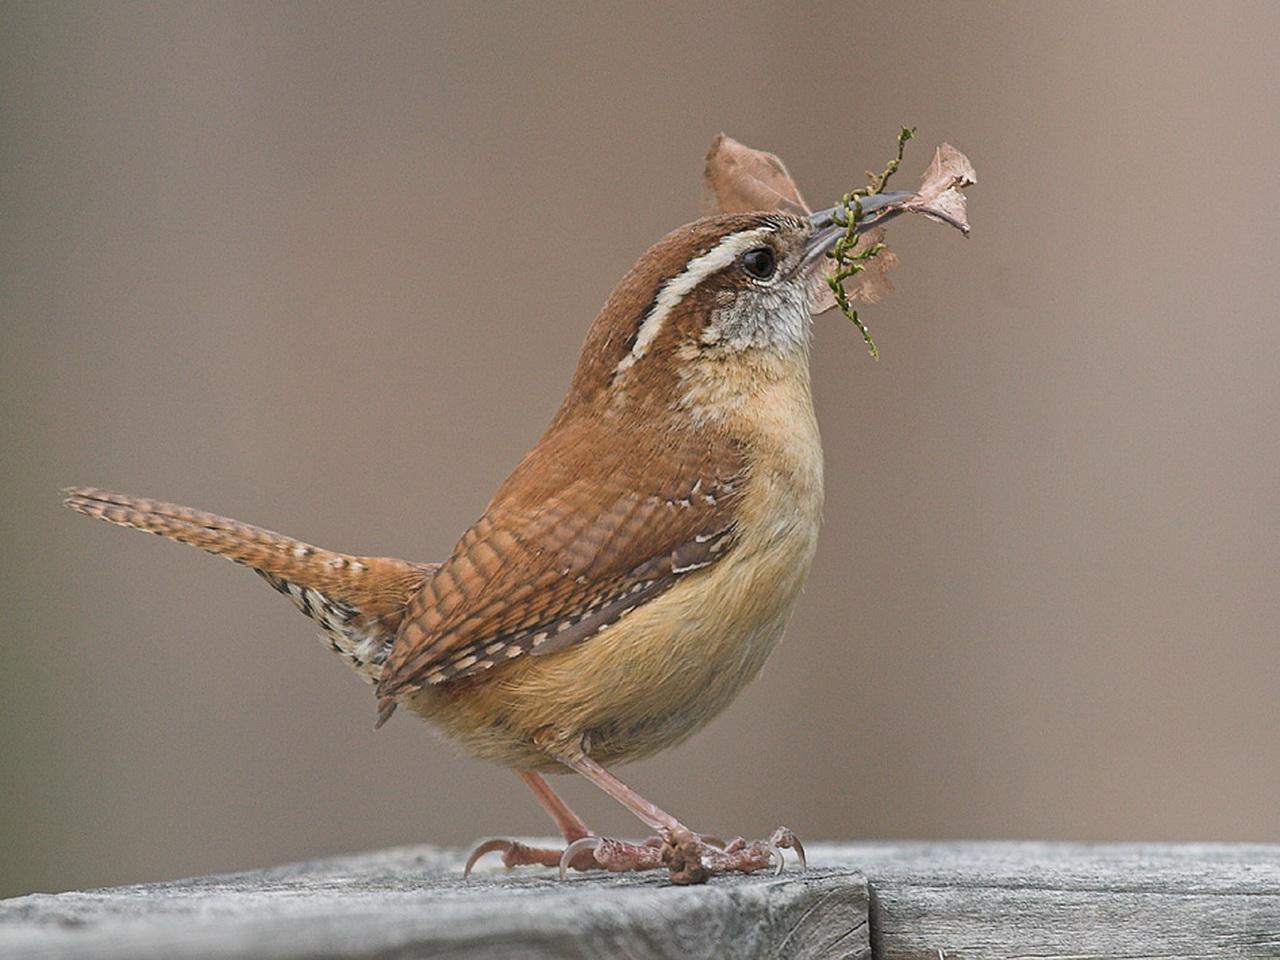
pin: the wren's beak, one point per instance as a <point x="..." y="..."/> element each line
<point x="876" y="209"/>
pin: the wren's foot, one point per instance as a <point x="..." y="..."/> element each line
<point x="516" y="854"/>
<point x="689" y="858"/>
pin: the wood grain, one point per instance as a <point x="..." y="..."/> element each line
<point x="1076" y="901"/>
<point x="893" y="901"/>
<point x="413" y="903"/>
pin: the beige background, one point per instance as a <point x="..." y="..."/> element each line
<point x="326" y="268"/>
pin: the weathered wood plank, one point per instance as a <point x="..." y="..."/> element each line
<point x="961" y="900"/>
<point x="413" y="903"/>
<point x="1070" y="901"/>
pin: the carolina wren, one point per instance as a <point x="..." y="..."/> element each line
<point x="634" y="572"/>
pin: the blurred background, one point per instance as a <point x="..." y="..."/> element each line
<point x="326" y="268"/>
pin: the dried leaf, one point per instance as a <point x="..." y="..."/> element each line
<point x="739" y="179"/>
<point x="940" y="197"/>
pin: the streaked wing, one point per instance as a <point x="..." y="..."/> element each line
<point x="565" y="549"/>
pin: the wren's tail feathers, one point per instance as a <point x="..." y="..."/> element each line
<point x="357" y="601"/>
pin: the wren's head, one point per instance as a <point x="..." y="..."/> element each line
<point x="722" y="286"/>
<point x="713" y="309"/>
<point x="730" y="288"/>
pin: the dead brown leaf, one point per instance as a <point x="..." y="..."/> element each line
<point x="739" y="179"/>
<point x="940" y="196"/>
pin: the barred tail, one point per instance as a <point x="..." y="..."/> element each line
<point x="357" y="601"/>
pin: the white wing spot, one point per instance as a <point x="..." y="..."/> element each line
<point x="692" y="566"/>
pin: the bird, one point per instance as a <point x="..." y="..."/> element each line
<point x="633" y="573"/>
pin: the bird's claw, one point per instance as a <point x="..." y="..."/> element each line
<point x="776" y="852"/>
<point x="572" y="850"/>
<point x="487" y="846"/>
<point x="784" y="839"/>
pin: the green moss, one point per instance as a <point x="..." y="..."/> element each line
<point x="848" y="261"/>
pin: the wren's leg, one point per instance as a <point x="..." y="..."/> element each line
<point x="570" y="825"/>
<point x="690" y="858"/>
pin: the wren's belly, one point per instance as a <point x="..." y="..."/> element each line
<point x="657" y="675"/>
<point x="681" y="701"/>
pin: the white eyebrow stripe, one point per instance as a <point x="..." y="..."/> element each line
<point x="674" y="290"/>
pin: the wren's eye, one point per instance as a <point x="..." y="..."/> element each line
<point x="760" y="262"/>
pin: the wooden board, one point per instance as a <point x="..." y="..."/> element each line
<point x="413" y="903"/>
<point x="895" y="901"/>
